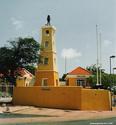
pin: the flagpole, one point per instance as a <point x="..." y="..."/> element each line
<point x="100" y="59"/>
<point x="97" y="55"/>
<point x="65" y="65"/>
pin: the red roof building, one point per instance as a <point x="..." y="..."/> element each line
<point x="25" y="78"/>
<point x="78" y="77"/>
<point x="80" y="71"/>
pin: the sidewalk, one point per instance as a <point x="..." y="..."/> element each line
<point x="26" y="114"/>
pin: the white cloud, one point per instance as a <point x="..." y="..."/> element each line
<point x="107" y="43"/>
<point x="70" y="53"/>
<point x="18" y="24"/>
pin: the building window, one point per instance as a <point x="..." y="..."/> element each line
<point x="44" y="82"/>
<point x="45" y="61"/>
<point x="80" y="82"/>
<point x="47" y="32"/>
<point x="46" y="44"/>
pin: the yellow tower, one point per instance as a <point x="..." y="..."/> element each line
<point x="47" y="73"/>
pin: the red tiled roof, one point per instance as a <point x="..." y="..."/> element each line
<point x="80" y="71"/>
<point x="23" y="71"/>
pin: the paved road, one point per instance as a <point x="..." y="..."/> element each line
<point x="28" y="114"/>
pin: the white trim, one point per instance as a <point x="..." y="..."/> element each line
<point x="48" y="26"/>
<point x="78" y="76"/>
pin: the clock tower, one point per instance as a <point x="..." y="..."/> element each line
<point x="47" y="72"/>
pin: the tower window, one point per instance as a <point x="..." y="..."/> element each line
<point x="44" y="82"/>
<point x="46" y="44"/>
<point x="45" y="61"/>
<point x="40" y="61"/>
<point x="47" y="32"/>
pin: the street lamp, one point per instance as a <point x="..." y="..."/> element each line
<point x="110" y="62"/>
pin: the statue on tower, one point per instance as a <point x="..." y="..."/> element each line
<point x="48" y="20"/>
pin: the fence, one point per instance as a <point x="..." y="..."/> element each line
<point x="6" y="90"/>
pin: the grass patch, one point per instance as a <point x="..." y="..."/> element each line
<point x="15" y="115"/>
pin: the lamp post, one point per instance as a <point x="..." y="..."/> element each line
<point x="111" y="63"/>
<point x="113" y="77"/>
<point x="111" y="71"/>
<point x="114" y="89"/>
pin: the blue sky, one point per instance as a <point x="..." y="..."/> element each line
<point x="75" y="21"/>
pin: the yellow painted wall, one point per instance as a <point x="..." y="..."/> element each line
<point x="48" y="66"/>
<point x="50" y="51"/>
<point x="63" y="97"/>
<point x="51" y="75"/>
<point x="72" y="81"/>
<point x="50" y="38"/>
<point x="48" y="71"/>
<point x="56" y="77"/>
<point x="95" y="99"/>
<point x="53" y="97"/>
<point x="20" y="82"/>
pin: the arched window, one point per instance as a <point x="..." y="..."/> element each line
<point x="46" y="44"/>
<point x="45" y="61"/>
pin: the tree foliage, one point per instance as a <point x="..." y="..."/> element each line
<point x="21" y="52"/>
<point x="25" y="51"/>
<point x="107" y="80"/>
<point x="93" y="69"/>
<point x="63" y="77"/>
<point x="6" y="59"/>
